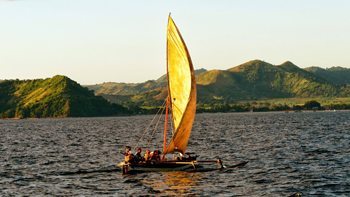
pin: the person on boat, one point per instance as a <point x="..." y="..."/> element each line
<point x="128" y="156"/>
<point x="138" y="156"/>
<point x="180" y="157"/>
<point x="159" y="155"/>
<point x="147" y="155"/>
<point x="156" y="155"/>
<point x="127" y="149"/>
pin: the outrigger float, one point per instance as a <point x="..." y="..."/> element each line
<point x="181" y="102"/>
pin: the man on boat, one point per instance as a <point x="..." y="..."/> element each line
<point x="127" y="149"/>
<point x="128" y="156"/>
<point x="156" y="155"/>
<point x="147" y="155"/>
<point x="138" y="156"/>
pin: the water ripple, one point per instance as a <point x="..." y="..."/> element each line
<point x="287" y="153"/>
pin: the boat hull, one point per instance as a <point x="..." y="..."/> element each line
<point x="191" y="166"/>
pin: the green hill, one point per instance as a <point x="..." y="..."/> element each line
<point x="253" y="80"/>
<point x="53" y="97"/>
<point x="335" y="75"/>
<point x="123" y="89"/>
<point x="149" y="93"/>
<point x="113" y="88"/>
<point x="261" y="80"/>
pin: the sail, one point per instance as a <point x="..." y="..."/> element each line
<point x="181" y="88"/>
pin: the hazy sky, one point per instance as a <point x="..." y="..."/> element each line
<point x="93" y="41"/>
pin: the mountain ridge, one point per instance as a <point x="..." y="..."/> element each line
<point x="251" y="80"/>
<point x="254" y="80"/>
<point x="337" y="75"/>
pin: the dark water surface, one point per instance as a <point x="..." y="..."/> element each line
<point x="305" y="152"/>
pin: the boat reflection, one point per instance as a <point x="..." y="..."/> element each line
<point x="174" y="183"/>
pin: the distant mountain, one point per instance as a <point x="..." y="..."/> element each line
<point x="53" y="97"/>
<point x="151" y="92"/>
<point x="260" y="80"/>
<point x="114" y="88"/>
<point x="249" y="81"/>
<point x="335" y="75"/>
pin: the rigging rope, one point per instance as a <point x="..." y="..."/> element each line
<point x="155" y="127"/>
<point x="150" y="124"/>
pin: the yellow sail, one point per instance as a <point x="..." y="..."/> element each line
<point x="181" y="87"/>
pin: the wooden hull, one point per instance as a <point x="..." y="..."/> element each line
<point x="163" y="166"/>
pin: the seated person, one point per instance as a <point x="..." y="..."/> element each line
<point x="127" y="149"/>
<point x="138" y="156"/>
<point x="156" y="155"/>
<point x="147" y="155"/>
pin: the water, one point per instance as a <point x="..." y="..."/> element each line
<point x="305" y="152"/>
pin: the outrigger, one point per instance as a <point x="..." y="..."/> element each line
<point x="181" y="102"/>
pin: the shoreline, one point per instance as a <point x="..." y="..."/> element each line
<point x="230" y="112"/>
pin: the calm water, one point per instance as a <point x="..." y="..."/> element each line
<point x="305" y="152"/>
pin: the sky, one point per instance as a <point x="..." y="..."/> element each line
<point x="95" y="41"/>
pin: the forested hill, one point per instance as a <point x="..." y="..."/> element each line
<point x="252" y="80"/>
<point x="58" y="96"/>
<point x="335" y="75"/>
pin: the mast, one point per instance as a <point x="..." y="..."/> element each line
<point x="166" y="123"/>
<point x="168" y="100"/>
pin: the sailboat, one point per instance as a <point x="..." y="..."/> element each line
<point x="181" y="101"/>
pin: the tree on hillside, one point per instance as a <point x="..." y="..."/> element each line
<point x="312" y="105"/>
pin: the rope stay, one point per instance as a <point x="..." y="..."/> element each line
<point x="155" y="127"/>
<point x="159" y="112"/>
